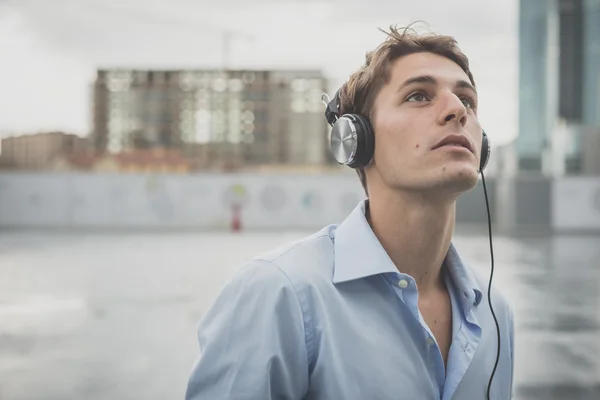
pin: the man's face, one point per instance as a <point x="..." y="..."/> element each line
<point x="428" y="99"/>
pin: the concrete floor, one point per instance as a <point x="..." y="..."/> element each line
<point x="101" y="316"/>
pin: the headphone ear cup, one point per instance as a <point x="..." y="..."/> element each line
<point x="485" y="152"/>
<point x="343" y="142"/>
<point x="366" y="142"/>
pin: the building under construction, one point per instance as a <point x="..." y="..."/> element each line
<point x="223" y="117"/>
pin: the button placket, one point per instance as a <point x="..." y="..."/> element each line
<point x="408" y="295"/>
<point x="430" y="341"/>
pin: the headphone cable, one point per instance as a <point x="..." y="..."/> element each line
<point x="490" y="286"/>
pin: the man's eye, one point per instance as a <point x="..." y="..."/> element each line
<point x="468" y="102"/>
<point x="417" y="96"/>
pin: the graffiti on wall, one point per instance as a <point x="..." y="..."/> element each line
<point x="312" y="200"/>
<point x="236" y="195"/>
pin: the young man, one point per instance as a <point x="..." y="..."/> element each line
<point x="380" y="306"/>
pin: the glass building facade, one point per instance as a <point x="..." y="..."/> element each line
<point x="559" y="84"/>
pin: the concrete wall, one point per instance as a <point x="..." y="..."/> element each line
<point x="175" y="201"/>
<point x="533" y="200"/>
<point x="576" y="205"/>
<point x="268" y="200"/>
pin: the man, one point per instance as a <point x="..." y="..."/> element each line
<point x="380" y="306"/>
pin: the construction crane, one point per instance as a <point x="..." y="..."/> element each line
<point x="227" y="36"/>
<point x="177" y="22"/>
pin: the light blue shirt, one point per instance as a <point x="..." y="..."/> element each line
<point x="329" y="317"/>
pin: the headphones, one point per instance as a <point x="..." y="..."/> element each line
<point x="352" y="141"/>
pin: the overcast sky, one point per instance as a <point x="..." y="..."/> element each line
<point x="49" y="50"/>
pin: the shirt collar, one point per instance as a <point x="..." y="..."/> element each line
<point x="359" y="254"/>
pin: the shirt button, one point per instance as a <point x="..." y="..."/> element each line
<point x="402" y="284"/>
<point x="430" y="341"/>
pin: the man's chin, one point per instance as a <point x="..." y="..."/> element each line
<point x="449" y="182"/>
<point x="463" y="181"/>
<point x="457" y="181"/>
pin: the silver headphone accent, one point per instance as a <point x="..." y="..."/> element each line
<point x="344" y="141"/>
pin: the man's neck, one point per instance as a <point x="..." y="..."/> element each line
<point x="416" y="233"/>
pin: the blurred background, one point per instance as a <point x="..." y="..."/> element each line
<point x="148" y="148"/>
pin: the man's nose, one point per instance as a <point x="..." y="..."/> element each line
<point x="453" y="109"/>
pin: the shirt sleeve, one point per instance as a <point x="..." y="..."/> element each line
<point x="252" y="340"/>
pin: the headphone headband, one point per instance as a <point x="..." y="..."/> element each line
<point x="332" y="107"/>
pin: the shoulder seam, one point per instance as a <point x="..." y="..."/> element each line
<point x="288" y="250"/>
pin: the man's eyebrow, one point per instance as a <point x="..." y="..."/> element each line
<point x="460" y="84"/>
<point x="418" y="79"/>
